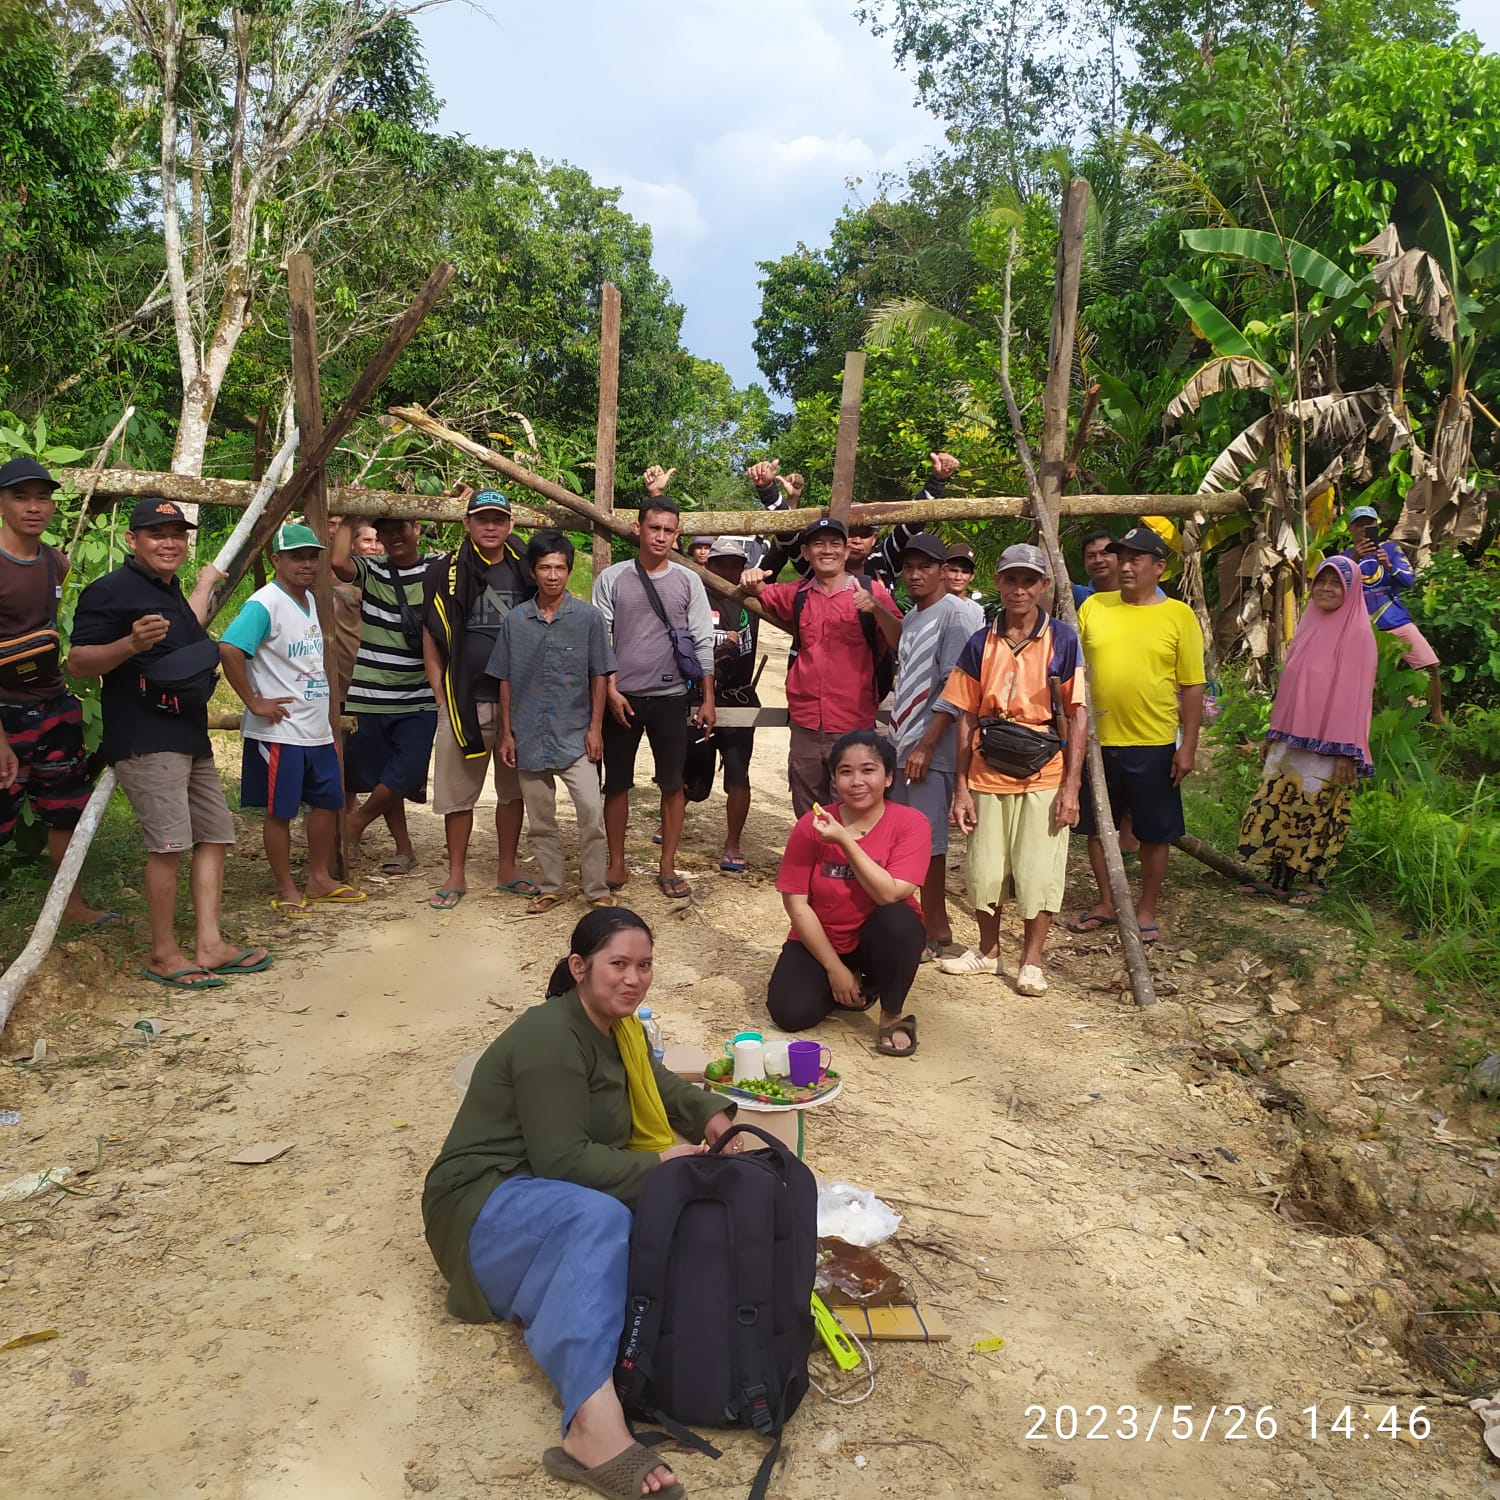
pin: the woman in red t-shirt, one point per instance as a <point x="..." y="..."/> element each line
<point x="848" y="881"/>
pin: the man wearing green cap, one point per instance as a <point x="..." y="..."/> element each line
<point x="272" y="654"/>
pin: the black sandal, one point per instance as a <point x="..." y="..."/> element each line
<point x="907" y="1026"/>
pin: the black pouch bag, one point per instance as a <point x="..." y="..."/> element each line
<point x="1015" y="749"/>
<point x="183" y="680"/>
<point x="684" y="652"/>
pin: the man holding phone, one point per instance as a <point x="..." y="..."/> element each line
<point x="1387" y="574"/>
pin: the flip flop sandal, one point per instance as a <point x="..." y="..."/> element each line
<point x="618" y="1478"/>
<point x="105" y="919"/>
<point x="1149" y="936"/>
<point x="177" y="979"/>
<point x="615" y="885"/>
<point x="545" y="902"/>
<point x="656" y="838"/>
<point x="602" y="901"/>
<point x="674" y="887"/>
<point x="239" y="966"/>
<point x="520" y="886"/>
<point x="402" y="864"/>
<point x="1301" y="900"/>
<point x="342" y="895"/>
<point x="291" y="908"/>
<point x="1089" y="921"/>
<point x="732" y="864"/>
<point x="907" y="1026"/>
<point x="1259" y="888"/>
<point x="440" y="901"/>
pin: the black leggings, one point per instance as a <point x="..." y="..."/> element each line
<point x="887" y="956"/>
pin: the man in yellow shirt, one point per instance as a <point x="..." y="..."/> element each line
<point x="1145" y="659"/>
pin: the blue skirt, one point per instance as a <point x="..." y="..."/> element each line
<point x="553" y="1257"/>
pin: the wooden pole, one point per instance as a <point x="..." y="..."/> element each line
<point x="1054" y="467"/>
<point x="257" y="472"/>
<point x="841" y="492"/>
<point x="314" y="456"/>
<point x="555" y="492"/>
<point x="1136" y="965"/>
<point x="1230" y="869"/>
<point x="609" y="406"/>
<point x="91" y="483"/>
<point x="307" y="397"/>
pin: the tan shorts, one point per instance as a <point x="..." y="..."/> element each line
<point x="177" y="799"/>
<point x="1014" y="850"/>
<point x="457" y="779"/>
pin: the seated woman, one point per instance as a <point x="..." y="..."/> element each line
<point x="847" y="881"/>
<point x="527" y="1206"/>
<point x="1318" y="744"/>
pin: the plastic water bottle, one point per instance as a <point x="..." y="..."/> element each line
<point x="653" y="1031"/>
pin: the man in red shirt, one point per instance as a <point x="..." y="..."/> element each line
<point x="841" y="631"/>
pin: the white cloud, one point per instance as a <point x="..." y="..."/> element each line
<point x="669" y="208"/>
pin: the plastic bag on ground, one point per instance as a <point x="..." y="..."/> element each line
<point x="854" y="1215"/>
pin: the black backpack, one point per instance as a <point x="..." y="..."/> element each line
<point x="718" y="1316"/>
<point x="884" y="662"/>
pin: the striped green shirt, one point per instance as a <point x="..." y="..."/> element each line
<point x="388" y="674"/>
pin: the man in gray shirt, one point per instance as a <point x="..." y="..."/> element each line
<point x="651" y="692"/>
<point x="553" y="663"/>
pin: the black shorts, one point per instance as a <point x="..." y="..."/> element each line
<point x="664" y="722"/>
<point x="1139" y="778"/>
<point x="390" y="750"/>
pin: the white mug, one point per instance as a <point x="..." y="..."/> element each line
<point x="749" y="1060"/>
<point x="776" y="1063"/>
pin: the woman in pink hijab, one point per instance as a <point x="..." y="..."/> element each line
<point x="1318" y="745"/>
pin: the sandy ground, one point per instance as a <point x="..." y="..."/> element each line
<point x="1077" y="1177"/>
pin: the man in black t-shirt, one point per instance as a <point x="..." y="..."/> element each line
<point x="469" y="594"/>
<point x="42" y="758"/>
<point x="135" y="629"/>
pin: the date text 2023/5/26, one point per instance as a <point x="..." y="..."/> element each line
<point x="1230" y="1423"/>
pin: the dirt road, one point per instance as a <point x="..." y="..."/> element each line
<point x="1073" y="1177"/>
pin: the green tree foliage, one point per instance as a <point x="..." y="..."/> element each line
<point x="59" y="194"/>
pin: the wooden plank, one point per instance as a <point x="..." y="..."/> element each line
<point x="316" y="455"/>
<point x="1054" y="466"/>
<point x="556" y="493"/>
<point x="903" y="1323"/>
<point x="307" y="403"/>
<point x="841" y="492"/>
<point x="604" y="433"/>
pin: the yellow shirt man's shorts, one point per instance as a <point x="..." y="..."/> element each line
<point x="1139" y="657"/>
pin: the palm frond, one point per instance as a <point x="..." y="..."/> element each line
<point x="912" y="317"/>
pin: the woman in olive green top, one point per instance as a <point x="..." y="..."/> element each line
<point x="527" y="1208"/>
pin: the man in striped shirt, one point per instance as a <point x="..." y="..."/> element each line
<point x="934" y="633"/>
<point x="389" y="695"/>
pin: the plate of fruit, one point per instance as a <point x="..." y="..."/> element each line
<point x="776" y="1092"/>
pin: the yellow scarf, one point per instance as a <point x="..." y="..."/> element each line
<point x="649" y="1130"/>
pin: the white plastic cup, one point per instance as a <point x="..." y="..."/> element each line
<point x="776" y="1059"/>
<point x="749" y="1059"/>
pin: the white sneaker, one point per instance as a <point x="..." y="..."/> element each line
<point x="969" y="962"/>
<point x="1031" y="980"/>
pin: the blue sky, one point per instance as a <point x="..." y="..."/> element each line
<point x="735" y="128"/>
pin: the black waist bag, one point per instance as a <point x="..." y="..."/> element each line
<point x="718" y="1316"/>
<point x="1015" y="749"/>
<point x="183" y="680"/>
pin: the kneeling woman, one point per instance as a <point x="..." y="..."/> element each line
<point x="527" y="1207"/>
<point x="848" y="880"/>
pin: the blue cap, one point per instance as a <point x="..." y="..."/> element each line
<point x="1363" y="513"/>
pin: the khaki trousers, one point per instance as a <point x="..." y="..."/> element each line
<point x="539" y="792"/>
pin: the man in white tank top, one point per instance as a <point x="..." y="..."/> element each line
<point x="272" y="654"/>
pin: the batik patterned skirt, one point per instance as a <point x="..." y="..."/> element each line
<point x="1298" y="820"/>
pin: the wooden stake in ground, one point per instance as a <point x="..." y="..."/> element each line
<point x="1054" y="468"/>
<point x="315" y="456"/>
<point x="1136" y="966"/>
<point x="841" y="492"/>
<point x="556" y="493"/>
<point x="604" y="433"/>
<point x="307" y="388"/>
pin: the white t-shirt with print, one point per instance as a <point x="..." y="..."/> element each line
<point x="285" y="645"/>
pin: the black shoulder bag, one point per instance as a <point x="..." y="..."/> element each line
<point x="35" y="656"/>
<point x="684" y="652"/>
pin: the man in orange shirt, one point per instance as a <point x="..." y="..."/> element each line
<point x="1017" y="815"/>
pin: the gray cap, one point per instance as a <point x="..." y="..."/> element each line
<point x="727" y="546"/>
<point x="1024" y="555"/>
<point x="1363" y="513"/>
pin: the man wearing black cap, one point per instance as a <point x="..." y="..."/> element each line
<point x="135" y="629"/>
<point x="933" y="634"/>
<point x="1145" y="657"/>
<point x="843" y="633"/>
<point x="865" y="559"/>
<point x="41" y="723"/>
<point x="958" y="578"/>
<point x="469" y="594"/>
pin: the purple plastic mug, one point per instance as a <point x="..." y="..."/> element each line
<point x="806" y="1062"/>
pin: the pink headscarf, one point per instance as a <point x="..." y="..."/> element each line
<point x="1326" y="694"/>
